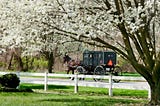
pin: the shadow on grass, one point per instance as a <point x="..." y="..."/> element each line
<point x="65" y="100"/>
<point x="38" y="86"/>
<point x="91" y="101"/>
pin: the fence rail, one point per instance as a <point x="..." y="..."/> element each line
<point x="45" y="80"/>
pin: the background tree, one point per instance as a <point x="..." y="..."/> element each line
<point x="29" y="26"/>
<point x="129" y="27"/>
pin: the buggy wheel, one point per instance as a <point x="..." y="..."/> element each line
<point x="99" y="70"/>
<point x="81" y="70"/>
<point x="117" y="72"/>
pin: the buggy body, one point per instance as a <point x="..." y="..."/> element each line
<point x="99" y="63"/>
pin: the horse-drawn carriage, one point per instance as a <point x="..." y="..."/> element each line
<point x="98" y="63"/>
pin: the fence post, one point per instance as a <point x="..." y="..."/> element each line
<point x="76" y="83"/>
<point x="149" y="93"/>
<point x="45" y="81"/>
<point x="110" y="85"/>
<point x="18" y="75"/>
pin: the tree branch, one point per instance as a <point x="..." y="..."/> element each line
<point x="127" y="42"/>
<point x="60" y="5"/>
<point x="136" y="3"/>
<point x="107" y="4"/>
<point x="142" y="2"/>
<point x="110" y="46"/>
<point x="129" y="4"/>
<point x="117" y="6"/>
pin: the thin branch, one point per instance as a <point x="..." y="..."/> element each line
<point x="129" y="4"/>
<point x="127" y="42"/>
<point x="117" y="6"/>
<point x="111" y="47"/>
<point x="136" y="3"/>
<point x="142" y="2"/>
<point x="121" y="6"/>
<point x="60" y="5"/>
<point x="107" y="4"/>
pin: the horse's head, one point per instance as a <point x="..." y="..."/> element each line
<point x="66" y="58"/>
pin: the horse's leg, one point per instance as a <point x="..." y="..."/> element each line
<point x="72" y="73"/>
<point x="68" y="71"/>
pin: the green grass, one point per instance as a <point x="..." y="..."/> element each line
<point x="65" y="96"/>
<point x="89" y="90"/>
<point x="53" y="99"/>
<point x="131" y="74"/>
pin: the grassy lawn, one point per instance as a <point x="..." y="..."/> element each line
<point x="131" y="74"/>
<point x="65" y="96"/>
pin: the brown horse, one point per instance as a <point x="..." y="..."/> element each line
<point x="71" y="63"/>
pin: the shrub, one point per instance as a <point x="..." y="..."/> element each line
<point x="9" y="81"/>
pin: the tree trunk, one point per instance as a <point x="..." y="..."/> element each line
<point x="10" y="62"/>
<point x="31" y="63"/>
<point x="20" y="63"/>
<point x="28" y="63"/>
<point x="27" y="67"/>
<point x="50" y="58"/>
<point x="155" y="94"/>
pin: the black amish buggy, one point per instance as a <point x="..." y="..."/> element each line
<point x="99" y="63"/>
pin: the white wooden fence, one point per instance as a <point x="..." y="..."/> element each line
<point x="76" y="83"/>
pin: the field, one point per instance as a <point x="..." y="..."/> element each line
<point x="64" y="96"/>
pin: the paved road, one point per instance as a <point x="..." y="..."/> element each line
<point x="91" y="83"/>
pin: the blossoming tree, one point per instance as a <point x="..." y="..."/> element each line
<point x="129" y="27"/>
<point x="24" y="25"/>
